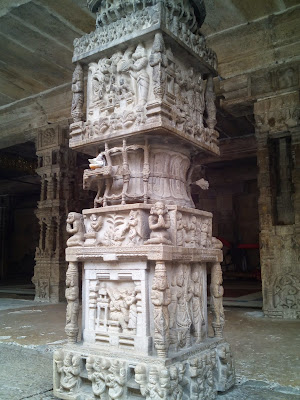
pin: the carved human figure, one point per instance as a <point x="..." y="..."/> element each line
<point x="118" y="309"/>
<point x="225" y="367"/>
<point x="72" y="296"/>
<point x="115" y="380"/>
<point x="158" y="61"/>
<point x="78" y="94"/>
<point x="183" y="314"/>
<point x="97" y="372"/>
<point x="161" y="298"/>
<point x="137" y="68"/>
<point x="159" y="222"/>
<point x="75" y="227"/>
<point x="197" y="305"/>
<point x="69" y="370"/>
<point x="180" y="229"/>
<point x="216" y="301"/>
<point x="210" y="103"/>
<point x="199" y="101"/>
<point x="192" y="232"/>
<point x="132" y="227"/>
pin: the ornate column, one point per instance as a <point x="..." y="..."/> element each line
<point x="143" y="245"/>
<point x="277" y="132"/>
<point x="55" y="162"/>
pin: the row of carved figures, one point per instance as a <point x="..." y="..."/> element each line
<point x="200" y="377"/>
<point x="120" y="90"/>
<point x="114" y="229"/>
<point x="179" y="18"/>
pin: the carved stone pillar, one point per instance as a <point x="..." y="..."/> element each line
<point x="143" y="246"/>
<point x="52" y="210"/>
<point x="277" y="132"/>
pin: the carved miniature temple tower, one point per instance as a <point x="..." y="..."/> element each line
<point x="143" y="247"/>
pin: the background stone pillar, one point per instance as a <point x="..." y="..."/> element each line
<point x="277" y="131"/>
<point x="57" y="168"/>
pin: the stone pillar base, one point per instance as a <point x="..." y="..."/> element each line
<point x="82" y="372"/>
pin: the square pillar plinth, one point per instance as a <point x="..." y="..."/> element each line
<point x="143" y="247"/>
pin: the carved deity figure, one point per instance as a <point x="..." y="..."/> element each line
<point x="136" y="66"/>
<point x="158" y="61"/>
<point x="75" y="227"/>
<point x="210" y="103"/>
<point x="122" y="308"/>
<point x="216" y="301"/>
<point x="78" y="96"/>
<point x="197" y="305"/>
<point x="97" y="372"/>
<point x="161" y="298"/>
<point x="72" y="296"/>
<point x="183" y="313"/>
<point x="115" y="380"/>
<point x="69" y="373"/>
<point x="159" y="222"/>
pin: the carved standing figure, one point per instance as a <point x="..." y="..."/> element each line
<point x="210" y="98"/>
<point x="75" y="227"/>
<point x="78" y="94"/>
<point x="183" y="314"/>
<point x="225" y="367"/>
<point x="158" y="61"/>
<point x="161" y="298"/>
<point x="216" y="301"/>
<point x="137" y="68"/>
<point x="72" y="296"/>
<point x="159" y="222"/>
<point x="197" y="306"/>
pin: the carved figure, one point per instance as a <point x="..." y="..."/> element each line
<point x="75" y="227"/>
<point x="97" y="372"/>
<point x="159" y="222"/>
<point x="216" y="300"/>
<point x="158" y="61"/>
<point x="210" y="103"/>
<point x="180" y="230"/>
<point x="197" y="305"/>
<point x="78" y="94"/>
<point x="69" y="373"/>
<point x="136" y="67"/>
<point x="183" y="314"/>
<point x="161" y="298"/>
<point x="72" y="296"/>
<point x="225" y="367"/>
<point x="116" y="380"/>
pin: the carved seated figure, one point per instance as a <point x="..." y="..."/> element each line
<point x="75" y="227"/>
<point x="159" y="222"/>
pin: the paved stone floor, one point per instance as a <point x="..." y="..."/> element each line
<point x="266" y="352"/>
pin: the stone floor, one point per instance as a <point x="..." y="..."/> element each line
<point x="266" y="352"/>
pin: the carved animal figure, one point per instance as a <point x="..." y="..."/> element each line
<point x="75" y="227"/>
